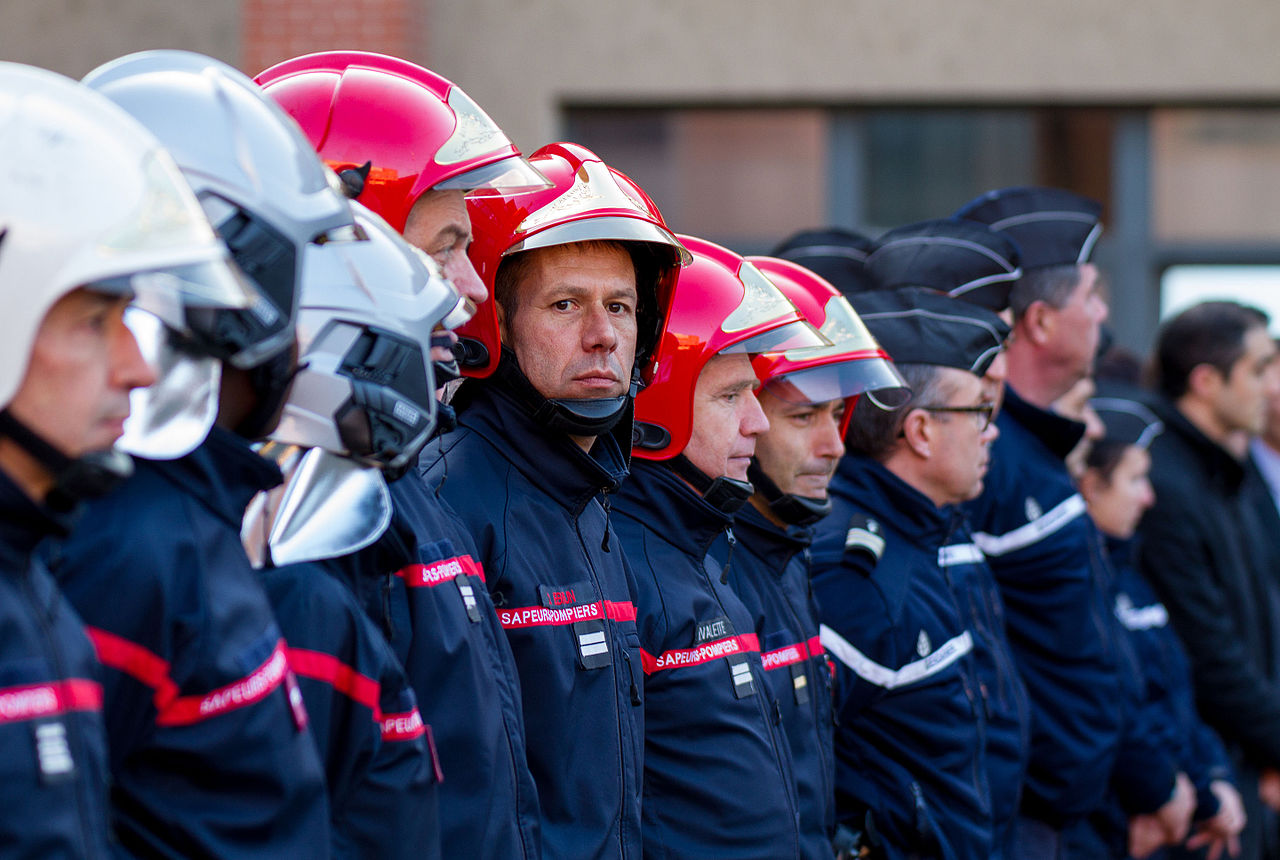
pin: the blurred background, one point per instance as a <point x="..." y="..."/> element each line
<point x="747" y="121"/>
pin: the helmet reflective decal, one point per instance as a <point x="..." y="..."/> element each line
<point x="474" y="135"/>
<point x="761" y="302"/>
<point x="593" y="189"/>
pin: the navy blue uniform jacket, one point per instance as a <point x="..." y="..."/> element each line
<point x="532" y="502"/>
<point x="717" y="768"/>
<point x="424" y="586"/>
<point x="911" y="742"/>
<point x="1045" y="553"/>
<point x="379" y="761"/>
<point x="210" y="754"/>
<point x="770" y="573"/>
<point x="53" y="747"/>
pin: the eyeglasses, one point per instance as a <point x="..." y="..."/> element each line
<point x="985" y="412"/>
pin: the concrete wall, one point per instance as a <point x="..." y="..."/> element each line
<point x="75" y="36"/>
<point x="523" y="59"/>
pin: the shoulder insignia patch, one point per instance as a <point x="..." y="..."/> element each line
<point x="1033" y="509"/>
<point x="923" y="645"/>
<point x="864" y="536"/>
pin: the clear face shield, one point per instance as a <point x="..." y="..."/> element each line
<point x="850" y="366"/>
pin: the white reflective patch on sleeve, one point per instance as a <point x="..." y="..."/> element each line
<point x="1067" y="510"/>
<point x="882" y="676"/>
<point x="960" y="553"/>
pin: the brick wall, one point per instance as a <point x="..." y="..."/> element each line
<point x="274" y="30"/>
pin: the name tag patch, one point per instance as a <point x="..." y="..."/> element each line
<point x="716" y="628"/>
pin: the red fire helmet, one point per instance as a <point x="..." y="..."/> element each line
<point x="416" y="130"/>
<point x="587" y="201"/>
<point x="722" y="304"/>
<point x="852" y="364"/>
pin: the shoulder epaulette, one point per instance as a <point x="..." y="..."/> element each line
<point x="864" y="538"/>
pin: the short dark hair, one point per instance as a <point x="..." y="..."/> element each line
<point x="1209" y="333"/>
<point x="1052" y="285"/>
<point x="874" y="432"/>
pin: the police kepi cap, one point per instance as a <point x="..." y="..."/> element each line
<point x="1126" y="420"/>
<point x="964" y="259"/>
<point x="920" y="326"/>
<point x="838" y="255"/>
<point x="1052" y="227"/>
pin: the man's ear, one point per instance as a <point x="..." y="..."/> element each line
<point x="1090" y="483"/>
<point x="918" y="433"/>
<point x="1204" y="380"/>
<point x="1038" y="323"/>
<point x="502" y="322"/>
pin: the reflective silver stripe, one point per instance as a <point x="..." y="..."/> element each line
<point x="959" y="553"/>
<point x="1041" y="527"/>
<point x="1143" y="617"/>
<point x="882" y="676"/>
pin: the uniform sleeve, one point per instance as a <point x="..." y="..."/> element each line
<point x="855" y="631"/>
<point x="1233" y="694"/>
<point x="379" y="768"/>
<point x="1146" y="767"/>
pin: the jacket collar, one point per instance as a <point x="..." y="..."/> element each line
<point x="224" y="473"/>
<point x="571" y="476"/>
<point x="772" y="544"/>
<point x="874" y="488"/>
<point x="1215" y="459"/>
<point x="23" y="523"/>
<point x="1055" y="432"/>
<point x="666" y="505"/>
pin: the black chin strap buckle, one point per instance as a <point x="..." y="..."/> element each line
<point x="725" y="494"/>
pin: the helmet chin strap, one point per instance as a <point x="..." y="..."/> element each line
<point x="585" y="417"/>
<point x="791" y="509"/>
<point x="725" y="494"/>
<point x="90" y="476"/>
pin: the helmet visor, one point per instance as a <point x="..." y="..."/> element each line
<point x="839" y="380"/>
<point x="616" y="228"/>
<point x="167" y="292"/>
<point x="508" y="176"/>
<point x="793" y="335"/>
